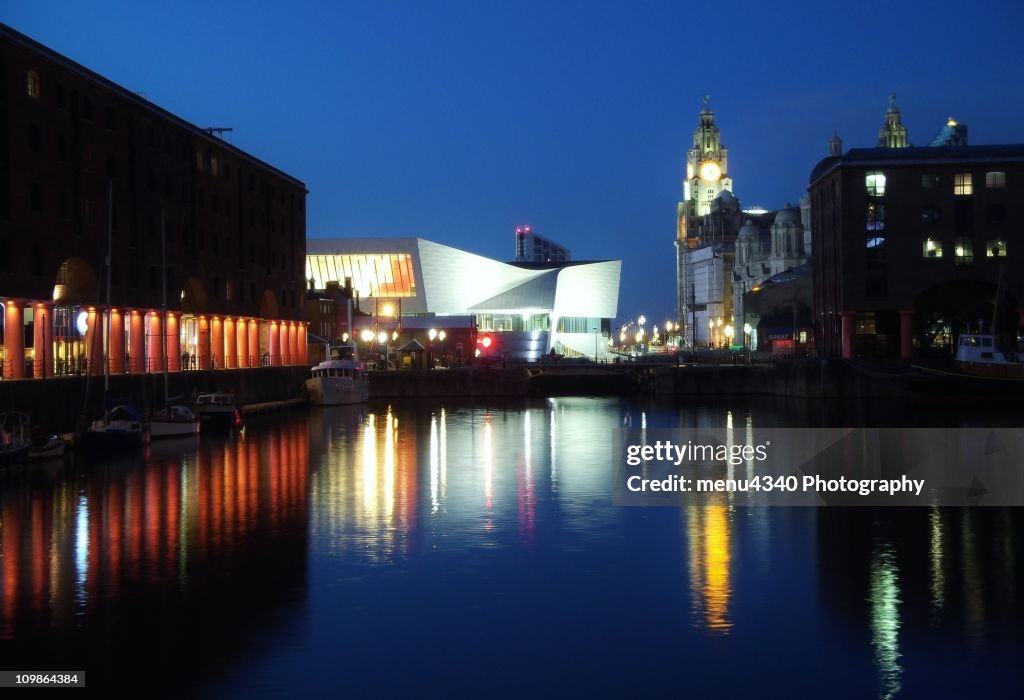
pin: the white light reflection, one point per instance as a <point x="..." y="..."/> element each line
<point x="938" y="579"/>
<point x="434" y="466"/>
<point x="885" y="621"/>
<point x="444" y="457"/>
<point x="488" y="462"/>
<point x="390" y="428"/>
<point x="81" y="548"/>
<point x="551" y="439"/>
<point x="370" y="464"/>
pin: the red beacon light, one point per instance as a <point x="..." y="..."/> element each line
<point x="486" y="341"/>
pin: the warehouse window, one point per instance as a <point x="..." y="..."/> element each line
<point x="33" y="85"/>
<point x="962" y="184"/>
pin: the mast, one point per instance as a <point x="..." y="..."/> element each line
<point x="106" y="321"/>
<point x="163" y="267"/>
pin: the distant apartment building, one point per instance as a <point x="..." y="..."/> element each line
<point x="531" y="247"/>
<point x="83" y="159"/>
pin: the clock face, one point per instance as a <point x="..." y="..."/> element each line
<point x="710" y="172"/>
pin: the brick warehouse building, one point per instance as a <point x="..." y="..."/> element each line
<point x="78" y="152"/>
<point x="910" y="246"/>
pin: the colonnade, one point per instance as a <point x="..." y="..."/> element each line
<point x="219" y="341"/>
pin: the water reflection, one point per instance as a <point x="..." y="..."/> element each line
<point x="94" y="556"/>
<point x="885" y="620"/>
<point x="332" y="543"/>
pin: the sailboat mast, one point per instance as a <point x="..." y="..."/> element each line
<point x="106" y="320"/>
<point x="163" y="286"/>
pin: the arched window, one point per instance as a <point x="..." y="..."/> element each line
<point x="33" y="85"/>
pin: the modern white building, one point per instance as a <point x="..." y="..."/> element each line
<point x="528" y="307"/>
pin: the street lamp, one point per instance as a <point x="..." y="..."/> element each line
<point x="431" y="334"/>
<point x="711" y="332"/>
<point x="746" y="335"/>
<point x="441" y="336"/>
<point x="729" y="332"/>
<point x="382" y="338"/>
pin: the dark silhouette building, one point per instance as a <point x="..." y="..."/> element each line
<point x="81" y="159"/>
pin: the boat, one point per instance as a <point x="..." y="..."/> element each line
<point x="174" y="421"/>
<point x="46" y="447"/>
<point x="980" y="355"/>
<point x="14" y="438"/>
<point x="217" y="412"/>
<point x="120" y="428"/>
<point x="981" y="370"/>
<point x="340" y="379"/>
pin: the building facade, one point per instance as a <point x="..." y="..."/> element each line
<point x="914" y="246"/>
<point x="531" y="247"/>
<point x="707" y="177"/>
<point x="91" y="172"/>
<point x="527" y="309"/>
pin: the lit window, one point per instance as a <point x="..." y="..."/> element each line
<point x="876" y="250"/>
<point x="875" y="183"/>
<point x="995" y="248"/>
<point x="33" y="85"/>
<point x="199" y="160"/>
<point x="875" y="217"/>
<point x="962" y="184"/>
<point x="963" y="250"/>
<point x="932" y="248"/>
<point x="214" y="166"/>
<point x="995" y="179"/>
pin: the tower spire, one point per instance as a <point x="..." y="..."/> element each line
<point x="892" y="134"/>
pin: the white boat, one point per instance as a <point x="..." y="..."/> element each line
<point x="340" y="379"/>
<point x="174" y="421"/>
<point x="217" y="412"/>
<point x="980" y="355"/>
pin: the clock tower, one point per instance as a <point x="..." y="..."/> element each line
<point x="707" y="175"/>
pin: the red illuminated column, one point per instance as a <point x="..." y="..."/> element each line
<point x="204" y="342"/>
<point x="116" y="341"/>
<point x="906" y="334"/>
<point x="285" y="346"/>
<point x="303" y="357"/>
<point x="230" y="350"/>
<point x="275" y="344"/>
<point x="293" y="336"/>
<point x="137" y="342"/>
<point x="217" y="343"/>
<point x="848" y="317"/>
<point x="289" y="347"/>
<point x="14" y="340"/>
<point x="155" y="344"/>
<point x="243" y="342"/>
<point x="173" y="341"/>
<point x="94" y="341"/>
<point x="254" y="343"/>
<point x="43" y="341"/>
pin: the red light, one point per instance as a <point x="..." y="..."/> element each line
<point x="486" y="342"/>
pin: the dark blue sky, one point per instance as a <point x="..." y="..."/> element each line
<point x="455" y="121"/>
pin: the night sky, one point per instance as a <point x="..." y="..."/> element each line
<point x="457" y="121"/>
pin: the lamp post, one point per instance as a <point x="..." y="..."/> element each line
<point x="431" y="334"/>
<point x="729" y="333"/>
<point x="746" y="336"/>
<point x="440" y="336"/>
<point x="382" y="338"/>
<point x="711" y="332"/>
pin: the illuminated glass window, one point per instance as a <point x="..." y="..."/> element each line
<point x="962" y="184"/>
<point x="963" y="251"/>
<point x="875" y="217"/>
<point x="214" y="166"/>
<point x="995" y="179"/>
<point x="932" y="248"/>
<point x="199" y="161"/>
<point x="995" y="248"/>
<point x="376" y="275"/>
<point x="875" y="183"/>
<point x="33" y="85"/>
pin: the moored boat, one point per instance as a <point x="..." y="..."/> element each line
<point x="120" y="428"/>
<point x="15" y="440"/>
<point x="174" y="421"/>
<point x="46" y="447"/>
<point x="217" y="412"/>
<point x="340" y="379"/>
